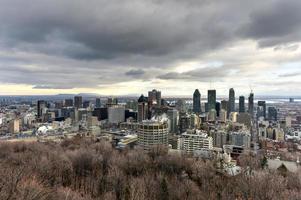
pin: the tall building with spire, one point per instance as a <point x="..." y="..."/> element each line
<point x="231" y="107"/>
<point x="197" y="101"/>
<point x="251" y="104"/>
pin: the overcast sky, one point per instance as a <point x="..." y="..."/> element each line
<point x="119" y="47"/>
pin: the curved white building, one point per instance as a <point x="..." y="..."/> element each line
<point x="152" y="133"/>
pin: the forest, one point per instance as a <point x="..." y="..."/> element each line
<point x="82" y="169"/>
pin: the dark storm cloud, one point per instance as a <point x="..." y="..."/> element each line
<point x="135" y="72"/>
<point x="275" y="24"/>
<point x="79" y="43"/>
<point x="109" y="29"/>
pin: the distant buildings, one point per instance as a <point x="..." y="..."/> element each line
<point x="78" y="102"/>
<point x="97" y="103"/>
<point x="251" y="104"/>
<point x="14" y="126"/>
<point x="197" y="101"/>
<point x="272" y="114"/>
<point x="41" y="108"/>
<point x="241" y="138"/>
<point x="272" y="131"/>
<point x="68" y="103"/>
<point x="238" y="138"/>
<point x="261" y="109"/>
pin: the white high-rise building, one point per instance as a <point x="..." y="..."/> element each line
<point x="193" y="140"/>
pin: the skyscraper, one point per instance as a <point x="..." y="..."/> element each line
<point x="224" y="105"/>
<point x="197" y="101"/>
<point x="217" y="108"/>
<point x="154" y="98"/>
<point x="86" y="104"/>
<point x="173" y="119"/>
<point x="272" y="113"/>
<point x="97" y="103"/>
<point x="242" y="104"/>
<point x="78" y="102"/>
<point x="251" y="104"/>
<point x="211" y="99"/>
<point x="68" y="103"/>
<point x="41" y="107"/>
<point x="142" y="108"/>
<point x="231" y="107"/>
<point x="261" y="109"/>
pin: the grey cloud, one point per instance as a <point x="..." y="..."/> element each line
<point x="110" y="29"/>
<point x="202" y="75"/>
<point x="77" y="43"/>
<point x="135" y="72"/>
<point x="277" y="23"/>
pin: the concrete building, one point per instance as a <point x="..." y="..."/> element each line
<point x="173" y="119"/>
<point x="41" y="108"/>
<point x="224" y="104"/>
<point x="244" y="118"/>
<point x="116" y="114"/>
<point x="194" y="140"/>
<point x="154" y="98"/>
<point x="241" y="138"/>
<point x="212" y="115"/>
<point x="142" y="108"/>
<point x="14" y="126"/>
<point x="233" y="116"/>
<point x="223" y="115"/>
<point x="78" y="102"/>
<point x="219" y="138"/>
<point x="152" y="133"/>
<point x="68" y="103"/>
<point x="184" y="122"/>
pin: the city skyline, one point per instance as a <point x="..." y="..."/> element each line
<point x="128" y="48"/>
